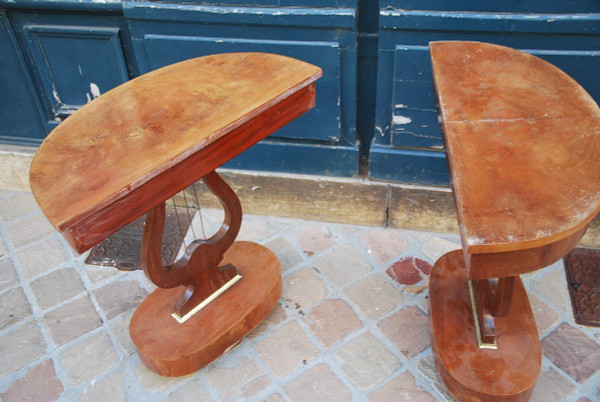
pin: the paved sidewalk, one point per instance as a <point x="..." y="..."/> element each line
<point x="351" y="324"/>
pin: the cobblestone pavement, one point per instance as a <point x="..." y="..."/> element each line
<point x="351" y="324"/>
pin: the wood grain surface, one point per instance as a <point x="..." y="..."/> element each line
<point x="470" y="373"/>
<point x="523" y="141"/>
<point x="172" y="349"/>
<point x="142" y="142"/>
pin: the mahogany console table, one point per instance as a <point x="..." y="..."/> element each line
<point x="522" y="142"/>
<point x="126" y="152"/>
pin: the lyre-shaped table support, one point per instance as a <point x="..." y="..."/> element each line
<point x="198" y="269"/>
<point x="490" y="298"/>
<point x="209" y="298"/>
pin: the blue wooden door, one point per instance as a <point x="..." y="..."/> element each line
<point x="407" y="144"/>
<point x="323" y="141"/>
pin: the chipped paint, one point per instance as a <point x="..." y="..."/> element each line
<point x="401" y="120"/>
<point x="94" y="90"/>
<point x="381" y="131"/>
<point x="400" y="106"/>
<point x="55" y="94"/>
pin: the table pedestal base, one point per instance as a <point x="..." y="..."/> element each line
<point x="172" y="349"/>
<point x="470" y="373"/>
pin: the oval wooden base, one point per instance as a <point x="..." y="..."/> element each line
<point x="508" y="373"/>
<point x="172" y="349"/>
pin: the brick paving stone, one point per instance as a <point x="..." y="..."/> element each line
<point x="277" y="316"/>
<point x="426" y="367"/>
<point x="3" y="250"/>
<point x="348" y="229"/>
<point x="408" y="330"/>
<point x="572" y="351"/>
<point x="409" y="270"/>
<point x="366" y="361"/>
<point x="255" y="230"/>
<point x="286" y="348"/>
<point x="286" y="254"/>
<point x="414" y="236"/>
<point x="274" y="398"/>
<point x="401" y="388"/>
<point x="153" y="382"/>
<point x="374" y="296"/>
<point x="215" y="216"/>
<point x="256" y="387"/>
<point x="29" y="230"/>
<point x="545" y="316"/>
<point x="302" y="288"/>
<point x="97" y="274"/>
<point x="8" y="275"/>
<point x="119" y="296"/>
<point x="416" y="289"/>
<point x="41" y="258"/>
<point x="383" y="244"/>
<point x="553" y="287"/>
<point x="108" y="389"/>
<point x="342" y="265"/>
<point x="56" y="287"/>
<point x="318" y="384"/>
<point x="88" y="358"/>
<point x="15" y="307"/>
<point x="436" y="247"/>
<point x="16" y="205"/>
<point x="120" y="328"/>
<point x="551" y="386"/>
<point x="237" y="381"/>
<point x="424" y="303"/>
<point x="20" y="346"/>
<point x="193" y="391"/>
<point x="71" y="320"/>
<point x="332" y="320"/>
<point x="315" y="239"/>
<point x="39" y="384"/>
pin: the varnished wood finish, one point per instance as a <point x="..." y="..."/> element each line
<point x="198" y="269"/>
<point x="517" y="262"/>
<point x="129" y="150"/>
<point x="126" y="151"/>
<point x="172" y="349"/>
<point x="522" y="139"/>
<point x="491" y="298"/>
<point x="472" y="374"/>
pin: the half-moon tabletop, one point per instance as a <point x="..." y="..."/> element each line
<point x="141" y="142"/>
<point x="523" y="142"/>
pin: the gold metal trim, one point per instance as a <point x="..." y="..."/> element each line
<point x="480" y="343"/>
<point x="206" y="301"/>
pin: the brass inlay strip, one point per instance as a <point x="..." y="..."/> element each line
<point x="206" y="301"/>
<point x="480" y="343"/>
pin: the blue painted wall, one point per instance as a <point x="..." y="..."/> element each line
<point x="375" y="112"/>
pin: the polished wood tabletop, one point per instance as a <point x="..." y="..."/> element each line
<point x="523" y="140"/>
<point x="140" y="143"/>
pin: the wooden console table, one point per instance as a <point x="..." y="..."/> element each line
<point x="522" y="142"/>
<point x="126" y="152"/>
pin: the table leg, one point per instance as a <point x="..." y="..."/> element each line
<point x="470" y="372"/>
<point x="209" y="299"/>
